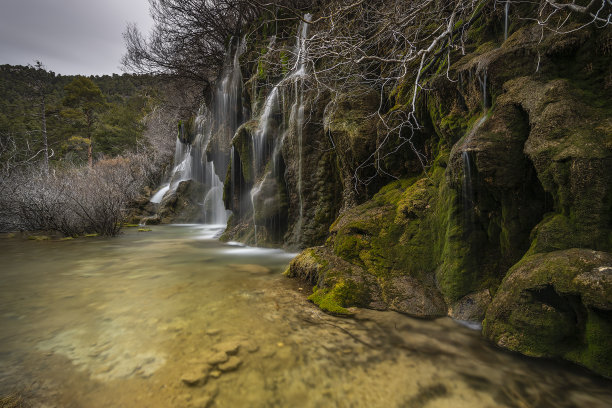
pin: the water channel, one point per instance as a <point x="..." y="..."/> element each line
<point x="174" y="318"/>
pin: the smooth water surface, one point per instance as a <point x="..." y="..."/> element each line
<point x="122" y="322"/>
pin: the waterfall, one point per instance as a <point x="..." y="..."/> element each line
<point x="266" y="144"/>
<point x="271" y="106"/>
<point x="297" y="116"/>
<point x="214" y="210"/>
<point x="467" y="190"/>
<point x="200" y="158"/>
<point x="506" y="10"/>
<point x="483" y="87"/>
<point x="181" y="170"/>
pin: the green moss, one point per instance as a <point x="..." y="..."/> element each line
<point x="343" y="294"/>
<point x="596" y="353"/>
<point x="95" y="234"/>
<point x="348" y="247"/>
<point x="548" y="306"/>
<point x="243" y="145"/>
<point x="39" y="238"/>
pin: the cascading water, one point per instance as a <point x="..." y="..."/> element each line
<point x="198" y="160"/>
<point x="297" y="116"/>
<point x="180" y="172"/>
<point x="483" y="88"/>
<point x="267" y="147"/>
<point x="506" y="11"/>
<point x="467" y="191"/>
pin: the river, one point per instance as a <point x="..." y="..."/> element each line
<point x="174" y="318"/>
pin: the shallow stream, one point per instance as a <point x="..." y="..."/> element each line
<point x="174" y="318"/>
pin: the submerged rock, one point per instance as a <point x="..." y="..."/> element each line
<point x="216" y="358"/>
<point x="195" y="377"/>
<point x="228" y="347"/>
<point x="471" y="308"/>
<point x="231" y="365"/>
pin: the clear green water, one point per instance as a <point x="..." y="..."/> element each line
<point x="119" y="322"/>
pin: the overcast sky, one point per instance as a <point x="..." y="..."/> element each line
<point x="69" y="36"/>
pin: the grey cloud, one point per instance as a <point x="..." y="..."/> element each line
<point x="69" y="36"/>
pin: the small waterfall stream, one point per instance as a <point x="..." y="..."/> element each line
<point x="273" y="122"/>
<point x="297" y="116"/>
<point x="506" y="11"/>
<point x="181" y="171"/>
<point x="467" y="191"/>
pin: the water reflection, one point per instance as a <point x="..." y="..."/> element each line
<point x="173" y="318"/>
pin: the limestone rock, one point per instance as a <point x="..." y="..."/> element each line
<point x="556" y="305"/>
<point x="184" y="204"/>
<point x="472" y="307"/>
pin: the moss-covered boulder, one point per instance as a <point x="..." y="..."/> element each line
<point x="383" y="250"/>
<point x="557" y="304"/>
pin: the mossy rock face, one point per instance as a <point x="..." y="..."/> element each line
<point x="569" y="145"/>
<point x="338" y="284"/>
<point x="270" y="201"/>
<point x="557" y="304"/>
<point x="382" y="251"/>
<point x="243" y="145"/>
<point x="350" y="120"/>
<point x="312" y="176"/>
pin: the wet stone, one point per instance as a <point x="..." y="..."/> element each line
<point x="250" y="346"/>
<point x="232" y="364"/>
<point x="228" y="347"/>
<point x="206" y="400"/>
<point x="217" y="358"/>
<point x="213" y="332"/>
<point x="194" y="378"/>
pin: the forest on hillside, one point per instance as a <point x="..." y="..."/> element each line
<point x="123" y="102"/>
<point x="75" y="150"/>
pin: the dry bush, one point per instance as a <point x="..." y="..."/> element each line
<point x="73" y="201"/>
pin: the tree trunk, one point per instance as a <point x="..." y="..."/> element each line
<point x="43" y="117"/>
<point x="90" y="146"/>
<point x="89" y="155"/>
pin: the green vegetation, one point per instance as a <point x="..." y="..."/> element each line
<point x="104" y="113"/>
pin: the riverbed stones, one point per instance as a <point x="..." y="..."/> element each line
<point x="206" y="400"/>
<point x="217" y="358"/>
<point x="231" y="365"/>
<point x="228" y="347"/>
<point x="213" y="332"/>
<point x="472" y="307"/>
<point x="195" y="377"/>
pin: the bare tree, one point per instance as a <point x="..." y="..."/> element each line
<point x="396" y="47"/>
<point x="72" y="201"/>
<point x="189" y="38"/>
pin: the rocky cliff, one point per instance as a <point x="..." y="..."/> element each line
<point x="477" y="185"/>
